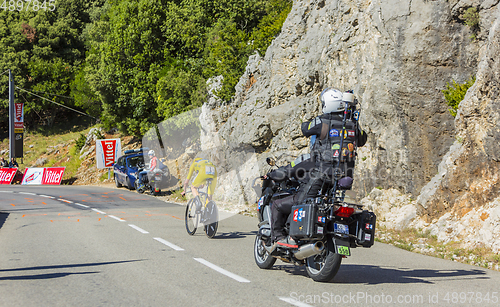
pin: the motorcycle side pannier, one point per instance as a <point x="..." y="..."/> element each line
<point x="367" y="224"/>
<point x="303" y="223"/>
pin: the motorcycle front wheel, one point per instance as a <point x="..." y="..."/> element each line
<point x="262" y="258"/>
<point x="136" y="184"/>
<point x="324" y="266"/>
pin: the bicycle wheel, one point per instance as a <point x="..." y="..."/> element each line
<point x="192" y="217"/>
<point x="211" y="219"/>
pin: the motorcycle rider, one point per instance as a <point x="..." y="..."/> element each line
<point x="326" y="152"/>
<point x="152" y="165"/>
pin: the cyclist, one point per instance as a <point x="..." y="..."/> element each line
<point x="202" y="169"/>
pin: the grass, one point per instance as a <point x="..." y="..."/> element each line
<point x="423" y="242"/>
<point x="177" y="194"/>
<point x="104" y="176"/>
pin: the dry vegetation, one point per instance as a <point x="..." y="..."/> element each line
<point x="424" y="243"/>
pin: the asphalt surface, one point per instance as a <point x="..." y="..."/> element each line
<point x="91" y="246"/>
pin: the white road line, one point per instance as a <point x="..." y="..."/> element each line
<point x="116" y="218"/>
<point x="85" y="206"/>
<point x="27" y="193"/>
<point x="177" y="248"/>
<point x="66" y="201"/>
<point x="294" y="302"/>
<point x="46" y="196"/>
<point x="6" y="191"/>
<point x="138" y="228"/>
<point x="221" y="270"/>
<point x="98" y="211"/>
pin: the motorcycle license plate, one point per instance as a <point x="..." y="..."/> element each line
<point x="157" y="177"/>
<point x="341" y="228"/>
<point x="343" y="250"/>
<point x="260" y="202"/>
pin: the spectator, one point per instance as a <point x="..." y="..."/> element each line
<point x="13" y="163"/>
<point x="3" y="162"/>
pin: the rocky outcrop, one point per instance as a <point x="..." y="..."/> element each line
<point x="462" y="203"/>
<point x="397" y="56"/>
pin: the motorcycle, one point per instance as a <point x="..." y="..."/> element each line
<point x="154" y="181"/>
<point x="325" y="228"/>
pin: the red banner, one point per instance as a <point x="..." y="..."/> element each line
<point x="7" y="174"/>
<point x="108" y="146"/>
<point x="53" y="175"/>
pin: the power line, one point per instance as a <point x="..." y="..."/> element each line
<point x="56" y="103"/>
<point x="54" y="94"/>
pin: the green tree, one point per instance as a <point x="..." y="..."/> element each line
<point x="149" y="61"/>
<point x="44" y="50"/>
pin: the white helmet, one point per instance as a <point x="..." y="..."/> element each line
<point x="151" y="153"/>
<point x="331" y="100"/>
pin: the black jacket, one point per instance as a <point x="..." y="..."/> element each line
<point x="328" y="130"/>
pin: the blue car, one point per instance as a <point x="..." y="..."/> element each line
<point x="126" y="167"/>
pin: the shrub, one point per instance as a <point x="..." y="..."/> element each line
<point x="471" y="17"/>
<point x="455" y="93"/>
<point x="80" y="142"/>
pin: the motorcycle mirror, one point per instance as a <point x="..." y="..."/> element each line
<point x="271" y="161"/>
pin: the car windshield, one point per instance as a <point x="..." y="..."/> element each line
<point x="134" y="161"/>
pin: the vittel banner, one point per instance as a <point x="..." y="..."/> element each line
<point x="44" y="176"/>
<point x="107" y="152"/>
<point x="6" y="175"/>
<point x="53" y="175"/>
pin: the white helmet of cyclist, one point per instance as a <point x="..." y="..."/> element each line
<point x="151" y="153"/>
<point x="331" y="100"/>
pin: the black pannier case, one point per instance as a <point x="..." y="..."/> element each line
<point x="367" y="224"/>
<point x="303" y="222"/>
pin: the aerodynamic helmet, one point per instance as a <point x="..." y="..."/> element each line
<point x="331" y="100"/>
<point x="151" y="153"/>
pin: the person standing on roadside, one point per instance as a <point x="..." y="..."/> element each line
<point x="13" y="163"/>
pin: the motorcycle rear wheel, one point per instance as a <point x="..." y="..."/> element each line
<point x="324" y="266"/>
<point x="192" y="217"/>
<point x="262" y="258"/>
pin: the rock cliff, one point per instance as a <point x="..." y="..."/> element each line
<point x="397" y="56"/>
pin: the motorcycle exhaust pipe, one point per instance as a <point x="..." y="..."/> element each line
<point x="309" y="250"/>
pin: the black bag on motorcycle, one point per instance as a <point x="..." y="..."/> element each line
<point x="366" y="230"/>
<point x="303" y="223"/>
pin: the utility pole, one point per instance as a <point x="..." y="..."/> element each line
<point x="12" y="151"/>
<point x="16" y="123"/>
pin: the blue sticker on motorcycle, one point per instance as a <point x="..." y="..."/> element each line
<point x="260" y="202"/>
<point x="334" y="133"/>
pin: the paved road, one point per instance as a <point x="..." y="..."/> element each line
<point x="90" y="246"/>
